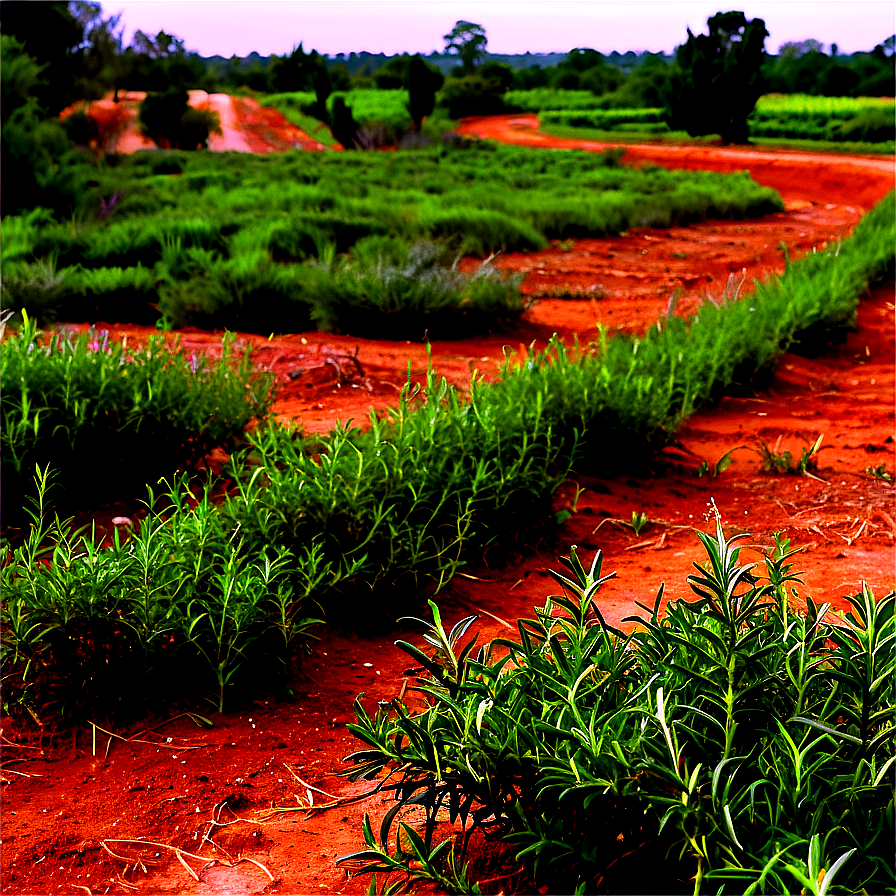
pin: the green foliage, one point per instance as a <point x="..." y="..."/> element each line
<point x="467" y="40"/>
<point x="171" y="122"/>
<point x="40" y="166"/>
<point x="472" y="94"/>
<point x="110" y="419"/>
<point x="718" y="78"/>
<point x="220" y="239"/>
<point x="384" y="113"/>
<point x="867" y="120"/>
<point x="175" y="606"/>
<point x="753" y="740"/>
<point x="604" y="119"/>
<point x="411" y="296"/>
<point x="402" y="505"/>
<point x="838" y="119"/>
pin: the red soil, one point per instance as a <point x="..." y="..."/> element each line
<point x="62" y="798"/>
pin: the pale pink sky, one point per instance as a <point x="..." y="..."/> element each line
<point x="228" y="27"/>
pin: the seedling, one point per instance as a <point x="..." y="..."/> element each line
<point x="719" y="466"/>
<point x="776" y="461"/>
<point x="879" y="473"/>
<point x="638" y="522"/>
<point x="563" y="515"/>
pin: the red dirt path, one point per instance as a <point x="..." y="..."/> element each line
<point x="60" y="801"/>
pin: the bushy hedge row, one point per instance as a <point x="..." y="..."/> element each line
<point x="236" y="241"/>
<point x="603" y="119"/>
<point x="406" y="502"/>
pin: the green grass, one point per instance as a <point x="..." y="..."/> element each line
<point x="290" y="106"/>
<point x="234" y="240"/>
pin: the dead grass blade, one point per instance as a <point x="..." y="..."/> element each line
<point x="180" y="854"/>
<point x="134" y="739"/>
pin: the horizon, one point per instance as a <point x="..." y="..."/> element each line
<point x="238" y="27"/>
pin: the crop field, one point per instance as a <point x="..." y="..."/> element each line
<point x="866" y="124"/>
<point x="230" y="532"/>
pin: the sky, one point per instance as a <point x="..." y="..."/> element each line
<point x="228" y="27"/>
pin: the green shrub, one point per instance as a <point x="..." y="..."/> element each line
<point x="410" y="296"/>
<point x="169" y="121"/>
<point x="471" y="94"/>
<point x="175" y="606"/>
<point x="248" y="292"/>
<point x="869" y="126"/>
<point x="109" y="419"/>
<point x="752" y="741"/>
<point x="601" y="119"/>
<point x="35" y="289"/>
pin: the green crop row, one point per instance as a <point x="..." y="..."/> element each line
<point x="603" y="119"/>
<point x="733" y="745"/>
<point x="248" y="242"/>
<point x="542" y="99"/>
<point x="796" y="116"/>
<point x="404" y="503"/>
<point x="801" y="105"/>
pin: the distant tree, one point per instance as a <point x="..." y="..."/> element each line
<point x="169" y="120"/>
<point x="602" y="79"/>
<point x="468" y="41"/>
<point x="393" y="74"/>
<point x="422" y="84"/>
<point x="797" y="48"/>
<point x="295" y="71"/>
<point x="718" y="78"/>
<point x="162" y="46"/>
<point x="51" y="35"/>
<point x="582" y="58"/>
<point x="471" y="95"/>
<point x="339" y="77"/>
<point x="343" y="124"/>
<point x="36" y="158"/>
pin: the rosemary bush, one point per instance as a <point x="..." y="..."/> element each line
<point x="415" y="294"/>
<point x="110" y="419"/>
<point x="753" y="741"/>
<point x="180" y="606"/>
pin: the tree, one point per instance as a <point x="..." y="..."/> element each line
<point x="343" y="124"/>
<point x="468" y="41"/>
<point x="422" y="83"/>
<point x="39" y="167"/>
<point x="169" y="120"/>
<point x="717" y="78"/>
<point x="51" y="35"/>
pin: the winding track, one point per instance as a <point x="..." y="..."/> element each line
<point x="821" y="178"/>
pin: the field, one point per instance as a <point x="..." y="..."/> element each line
<point x="833" y="123"/>
<point x="644" y="520"/>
